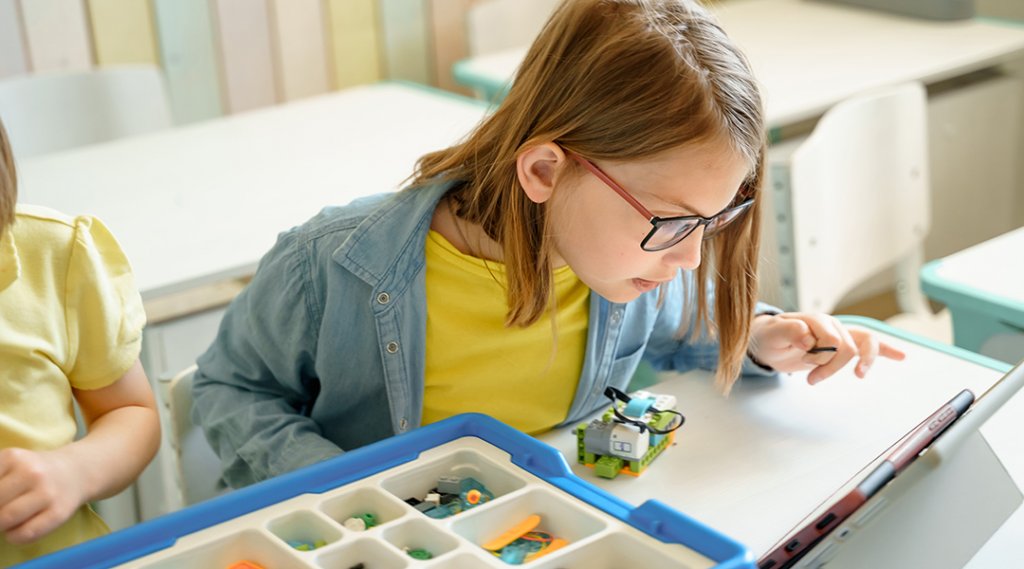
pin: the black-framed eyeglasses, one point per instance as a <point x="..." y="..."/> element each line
<point x="668" y="231"/>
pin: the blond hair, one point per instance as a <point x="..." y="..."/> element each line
<point x="8" y="183"/>
<point x="617" y="80"/>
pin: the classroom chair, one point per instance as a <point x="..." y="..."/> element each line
<point x="52" y="111"/>
<point x="197" y="465"/>
<point x="850" y="202"/>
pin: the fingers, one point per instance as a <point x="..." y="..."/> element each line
<point x="18" y="502"/>
<point x="823" y="330"/>
<point x="868" y="347"/>
<point x="887" y="351"/>
<point x="846" y="349"/>
<point x="33" y="500"/>
<point x="12" y="484"/>
<point x="27" y="518"/>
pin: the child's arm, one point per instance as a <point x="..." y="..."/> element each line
<point x="41" y="490"/>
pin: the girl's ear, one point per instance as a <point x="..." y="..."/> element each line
<point x="537" y="168"/>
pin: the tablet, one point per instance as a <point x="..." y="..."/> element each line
<point x="939" y="467"/>
<point x="797" y="543"/>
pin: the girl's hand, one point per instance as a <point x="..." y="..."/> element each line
<point x="39" y="491"/>
<point x="782" y="342"/>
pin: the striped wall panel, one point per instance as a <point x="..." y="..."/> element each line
<point x="448" y="29"/>
<point x="122" y="32"/>
<point x="226" y="56"/>
<point x="13" y="59"/>
<point x="354" y="42"/>
<point x="56" y="34"/>
<point x="243" y="39"/>
<point x="404" y="24"/>
<point x="189" y="57"/>
<point x="300" y="48"/>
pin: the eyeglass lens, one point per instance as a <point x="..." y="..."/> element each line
<point x="671" y="232"/>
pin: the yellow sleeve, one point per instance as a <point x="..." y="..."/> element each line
<point x="104" y="311"/>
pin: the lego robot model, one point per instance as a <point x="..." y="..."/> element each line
<point x="629" y="435"/>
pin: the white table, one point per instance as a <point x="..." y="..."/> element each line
<point x="753" y="465"/>
<point x="200" y="203"/>
<point x="197" y="205"/>
<point x="808" y="56"/>
<point x="983" y="287"/>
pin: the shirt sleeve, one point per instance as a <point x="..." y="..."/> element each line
<point x="254" y="384"/>
<point x="103" y="308"/>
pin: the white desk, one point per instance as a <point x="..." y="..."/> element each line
<point x="983" y="287"/>
<point x="808" y="56"/>
<point x="204" y="202"/>
<point x="755" y="464"/>
<point x="199" y="204"/>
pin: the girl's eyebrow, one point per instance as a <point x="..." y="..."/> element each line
<point x="678" y="204"/>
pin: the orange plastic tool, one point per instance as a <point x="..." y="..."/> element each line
<point x="513" y="533"/>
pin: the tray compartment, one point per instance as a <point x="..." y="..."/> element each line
<point x="249" y="545"/>
<point x="371" y="553"/>
<point x="304" y="527"/>
<point x="417" y="482"/>
<point x="365" y="500"/>
<point x="419" y="533"/>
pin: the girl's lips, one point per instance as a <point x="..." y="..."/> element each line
<point x="644" y="285"/>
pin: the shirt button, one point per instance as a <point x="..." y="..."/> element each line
<point x="616" y="316"/>
<point x="383" y="298"/>
<point x="403" y="424"/>
<point x="392" y="347"/>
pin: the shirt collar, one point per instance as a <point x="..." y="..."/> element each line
<point x="382" y="241"/>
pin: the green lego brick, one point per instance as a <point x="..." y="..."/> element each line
<point x="662" y="421"/>
<point x="608" y="466"/>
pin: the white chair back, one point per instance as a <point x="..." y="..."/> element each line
<point x="859" y="198"/>
<point x="48" y="112"/>
<point x="198" y="467"/>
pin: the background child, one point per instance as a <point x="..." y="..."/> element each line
<point x="529" y="267"/>
<point x="70" y="327"/>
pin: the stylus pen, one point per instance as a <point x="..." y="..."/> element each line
<point x="819" y="349"/>
<point x="929" y="430"/>
<point x="914" y="444"/>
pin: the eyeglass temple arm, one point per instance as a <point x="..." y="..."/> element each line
<point x="615" y="186"/>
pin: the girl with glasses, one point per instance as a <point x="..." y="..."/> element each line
<point x="533" y="265"/>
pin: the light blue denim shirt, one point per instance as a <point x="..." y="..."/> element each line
<point x="324" y="350"/>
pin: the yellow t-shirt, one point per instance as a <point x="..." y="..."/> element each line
<point x="475" y="363"/>
<point x="70" y="316"/>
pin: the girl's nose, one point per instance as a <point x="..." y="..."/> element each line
<point x="686" y="253"/>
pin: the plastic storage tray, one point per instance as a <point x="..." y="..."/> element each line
<point x="526" y="477"/>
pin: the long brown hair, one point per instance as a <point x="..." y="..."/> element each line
<point x="8" y="183"/>
<point x="617" y="80"/>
